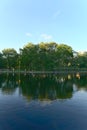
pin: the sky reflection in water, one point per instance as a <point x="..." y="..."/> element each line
<point x="43" y="102"/>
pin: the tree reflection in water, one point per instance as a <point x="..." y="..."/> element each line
<point x="43" y="87"/>
<point x="8" y="83"/>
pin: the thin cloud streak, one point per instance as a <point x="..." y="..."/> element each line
<point x="56" y="14"/>
<point x="46" y="36"/>
<point x="29" y="34"/>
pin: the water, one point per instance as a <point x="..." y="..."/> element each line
<point x="43" y="102"/>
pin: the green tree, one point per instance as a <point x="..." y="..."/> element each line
<point x="82" y="60"/>
<point x="10" y="55"/>
<point x="29" y="55"/>
<point x="2" y="61"/>
<point x="64" y="55"/>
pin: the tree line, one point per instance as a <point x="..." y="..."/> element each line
<point x="42" y="56"/>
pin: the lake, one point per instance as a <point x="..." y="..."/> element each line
<point x="43" y="102"/>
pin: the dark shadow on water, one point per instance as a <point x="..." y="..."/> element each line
<point x="43" y="87"/>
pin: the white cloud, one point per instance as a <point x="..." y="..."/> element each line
<point x="46" y="37"/>
<point x="56" y="14"/>
<point x="29" y="34"/>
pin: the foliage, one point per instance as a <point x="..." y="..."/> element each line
<point x="10" y="56"/>
<point x="42" y="56"/>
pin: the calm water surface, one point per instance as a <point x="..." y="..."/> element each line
<point x="43" y="102"/>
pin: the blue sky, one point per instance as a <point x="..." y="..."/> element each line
<point x="62" y="21"/>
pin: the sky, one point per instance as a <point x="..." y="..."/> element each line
<point x="61" y="21"/>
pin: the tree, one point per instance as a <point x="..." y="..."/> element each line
<point x="64" y="55"/>
<point x="2" y="61"/>
<point x="29" y="55"/>
<point x="10" y="55"/>
<point x="82" y="60"/>
<point x="46" y="56"/>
